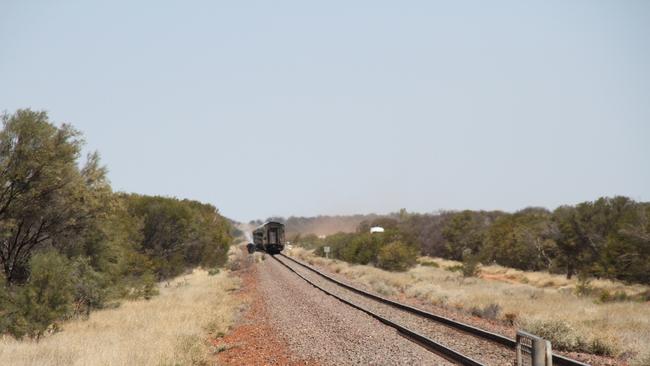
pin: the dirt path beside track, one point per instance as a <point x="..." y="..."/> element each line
<point x="253" y="341"/>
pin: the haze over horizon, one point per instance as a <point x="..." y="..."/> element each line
<point x="336" y="108"/>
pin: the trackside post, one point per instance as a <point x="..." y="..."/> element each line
<point x="533" y="350"/>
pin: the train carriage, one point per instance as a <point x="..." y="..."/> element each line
<point x="269" y="237"/>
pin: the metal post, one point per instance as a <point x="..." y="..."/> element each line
<point x="520" y="360"/>
<point x="549" y="354"/>
<point x="533" y="350"/>
<point x="539" y="353"/>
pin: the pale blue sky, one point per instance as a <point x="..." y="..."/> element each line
<point x="302" y="108"/>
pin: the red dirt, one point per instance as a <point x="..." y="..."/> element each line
<point x="253" y="342"/>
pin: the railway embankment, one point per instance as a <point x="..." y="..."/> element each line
<point x="320" y="328"/>
<point x="448" y="294"/>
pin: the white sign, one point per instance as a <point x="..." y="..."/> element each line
<point x="326" y="249"/>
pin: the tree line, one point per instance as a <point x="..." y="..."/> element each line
<point x="605" y="238"/>
<point x="69" y="244"/>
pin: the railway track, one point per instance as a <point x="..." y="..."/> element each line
<point x="459" y="342"/>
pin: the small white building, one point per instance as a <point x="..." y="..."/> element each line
<point x="376" y="229"/>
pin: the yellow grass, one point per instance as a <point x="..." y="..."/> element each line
<point x="544" y="279"/>
<point x="170" y="329"/>
<point x="622" y="326"/>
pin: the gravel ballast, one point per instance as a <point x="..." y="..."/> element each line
<point x="479" y="349"/>
<point x="317" y="326"/>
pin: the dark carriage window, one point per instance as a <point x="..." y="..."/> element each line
<point x="273" y="236"/>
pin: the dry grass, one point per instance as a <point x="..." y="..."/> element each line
<point x="538" y="279"/>
<point x="618" y="328"/>
<point x="169" y="329"/>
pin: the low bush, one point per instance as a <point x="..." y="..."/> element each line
<point x="561" y="335"/>
<point x="455" y="268"/>
<point x="470" y="264"/>
<point x="90" y="288"/>
<point x="430" y="264"/>
<point x="643" y="297"/>
<point x="603" y="346"/>
<point x="490" y="311"/>
<point x="606" y="296"/>
<point x="32" y="309"/>
<point x="564" y="337"/>
<point x="584" y="287"/>
<point x="510" y="318"/>
<point x="396" y="256"/>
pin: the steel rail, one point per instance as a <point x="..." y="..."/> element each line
<point x="508" y="342"/>
<point x="415" y="337"/>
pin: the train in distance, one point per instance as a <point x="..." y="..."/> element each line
<point x="268" y="237"/>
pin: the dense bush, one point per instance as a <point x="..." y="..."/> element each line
<point x="69" y="245"/>
<point x="606" y="238"/>
<point x="179" y="234"/>
<point x="386" y="250"/>
<point x="397" y="256"/>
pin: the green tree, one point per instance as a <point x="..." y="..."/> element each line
<point x="466" y="230"/>
<point x="626" y="252"/>
<point x="604" y="238"/>
<point x="179" y="234"/>
<point x="209" y="237"/>
<point x="45" y="199"/>
<point x="521" y="240"/>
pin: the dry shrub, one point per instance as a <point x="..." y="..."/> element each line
<point x="561" y="334"/>
<point x="429" y="264"/>
<point x="490" y="311"/>
<point x="604" y="345"/>
<point x="169" y="329"/>
<point x="566" y="338"/>
<point x="510" y="318"/>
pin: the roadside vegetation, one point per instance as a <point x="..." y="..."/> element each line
<point x="577" y="275"/>
<point x="386" y="250"/>
<point x="69" y="245"/>
<point x="608" y="238"/>
<point x="545" y="304"/>
<point x="172" y="328"/>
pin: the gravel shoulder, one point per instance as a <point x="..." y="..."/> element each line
<point x="318" y="327"/>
